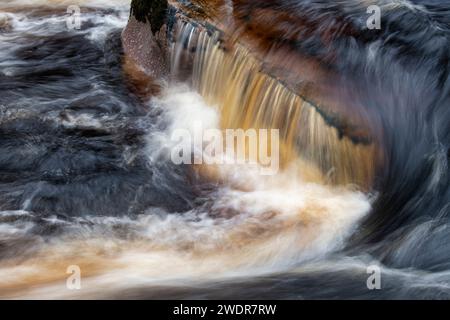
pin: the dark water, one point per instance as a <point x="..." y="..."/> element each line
<point x="82" y="180"/>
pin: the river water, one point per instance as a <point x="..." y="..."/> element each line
<point x="86" y="180"/>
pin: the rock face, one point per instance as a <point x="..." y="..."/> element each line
<point x="144" y="37"/>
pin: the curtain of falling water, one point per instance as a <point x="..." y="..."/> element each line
<point x="249" y="98"/>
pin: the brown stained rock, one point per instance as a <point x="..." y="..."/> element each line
<point x="143" y="47"/>
<point x="140" y="83"/>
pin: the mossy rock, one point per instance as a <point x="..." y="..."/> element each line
<point x="152" y="11"/>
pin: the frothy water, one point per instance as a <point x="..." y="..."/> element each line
<point x="108" y="4"/>
<point x="239" y="230"/>
<point x="86" y="179"/>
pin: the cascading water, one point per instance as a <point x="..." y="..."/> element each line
<point x="86" y="177"/>
<point x="248" y="98"/>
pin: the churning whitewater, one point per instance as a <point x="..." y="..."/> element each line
<point x="86" y="177"/>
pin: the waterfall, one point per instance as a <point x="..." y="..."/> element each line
<point x="233" y="80"/>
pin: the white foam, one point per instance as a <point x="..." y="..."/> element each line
<point x="65" y="3"/>
<point x="255" y="225"/>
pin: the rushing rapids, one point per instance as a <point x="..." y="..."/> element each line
<point x="87" y="119"/>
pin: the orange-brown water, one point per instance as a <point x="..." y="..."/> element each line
<point x="247" y="97"/>
<point x="239" y="228"/>
<point x="87" y="180"/>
